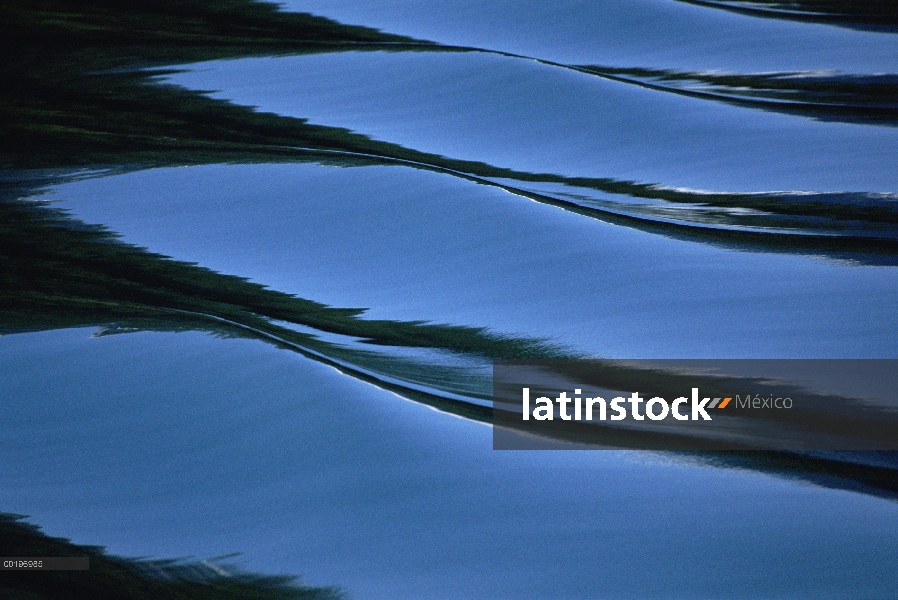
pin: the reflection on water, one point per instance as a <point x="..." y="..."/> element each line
<point x="648" y="33"/>
<point x="645" y="178"/>
<point x="115" y="576"/>
<point x="183" y="444"/>
<point x="416" y="245"/>
<point x="541" y="119"/>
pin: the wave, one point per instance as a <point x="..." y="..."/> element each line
<point x="99" y="110"/>
<point x="875" y="15"/>
<point x="822" y="96"/>
<point x="152" y="125"/>
<point x="79" y="274"/>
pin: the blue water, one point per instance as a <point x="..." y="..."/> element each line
<point x="163" y="444"/>
<point x="183" y="444"/>
<point x="411" y="244"/>
<point x="519" y="114"/>
<point x="660" y="33"/>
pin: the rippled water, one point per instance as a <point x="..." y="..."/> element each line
<point x="180" y="444"/>
<point x="538" y="118"/>
<point x="417" y="245"/>
<point x="632" y="179"/>
<point x="648" y="33"/>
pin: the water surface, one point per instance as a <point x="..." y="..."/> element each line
<point x="410" y="244"/>
<point x="634" y="179"/>
<point x="182" y="444"/>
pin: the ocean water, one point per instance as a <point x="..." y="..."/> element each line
<point x="411" y="244"/>
<point x="185" y="445"/>
<point x="632" y="179"/>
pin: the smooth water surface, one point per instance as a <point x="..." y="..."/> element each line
<point x="161" y="444"/>
<point x="411" y="244"/>
<point x="183" y="444"/>
<point x="518" y="114"/>
<point x="646" y="33"/>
